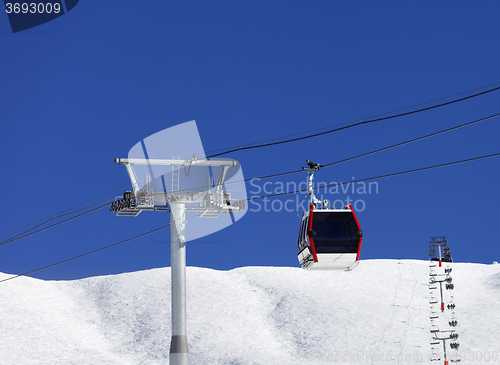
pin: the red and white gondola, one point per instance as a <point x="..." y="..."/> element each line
<point x="328" y="238"/>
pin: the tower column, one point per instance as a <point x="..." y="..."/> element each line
<point x="179" y="353"/>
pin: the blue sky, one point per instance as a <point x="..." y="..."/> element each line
<point x="83" y="89"/>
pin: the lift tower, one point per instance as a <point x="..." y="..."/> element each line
<point x="209" y="201"/>
<point x="443" y="328"/>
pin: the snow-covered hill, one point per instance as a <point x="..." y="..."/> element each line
<point x="378" y="313"/>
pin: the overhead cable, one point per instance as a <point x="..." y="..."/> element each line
<point x="378" y="177"/>
<point x="353" y="125"/>
<point x="85" y="254"/>
<point x="345" y="123"/>
<point x="28" y="233"/>
<point x="262" y="197"/>
<point x="244" y="147"/>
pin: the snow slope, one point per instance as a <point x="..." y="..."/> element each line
<point x="376" y="314"/>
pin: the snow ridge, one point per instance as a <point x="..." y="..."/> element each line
<point x="378" y="313"/>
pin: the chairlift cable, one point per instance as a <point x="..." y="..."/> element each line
<point x="91" y="252"/>
<point x="414" y="140"/>
<point x="353" y="125"/>
<point x="251" y="146"/>
<point x="263" y="144"/>
<point x="367" y="153"/>
<point x="256" y="198"/>
<point x="85" y="202"/>
<point x="340" y="124"/>
<point x="85" y="254"/>
<point x="48" y="219"/>
<point x="379" y="177"/>
<point x="62" y="213"/>
<point x="24" y="234"/>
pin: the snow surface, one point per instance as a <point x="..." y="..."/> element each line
<point x="376" y="314"/>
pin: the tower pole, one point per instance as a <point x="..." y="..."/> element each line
<point x="143" y="198"/>
<point x="444" y="351"/>
<point x="179" y="353"/>
<point x="440" y="283"/>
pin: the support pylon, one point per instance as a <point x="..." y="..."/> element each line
<point x="179" y="352"/>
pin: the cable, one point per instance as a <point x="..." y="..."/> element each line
<point x="26" y="225"/>
<point x="120" y="187"/>
<point x="91" y="252"/>
<point x="378" y="177"/>
<point x="373" y="116"/>
<point x="364" y="154"/>
<point x="85" y="254"/>
<point x="50" y="219"/>
<point x="249" y="146"/>
<point x="60" y="214"/>
<point x="354" y="125"/>
<point x="18" y="237"/>
<point x="256" y="198"/>
<point x="24" y="234"/>
<point x="413" y="140"/>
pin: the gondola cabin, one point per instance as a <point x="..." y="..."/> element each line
<point x="329" y="239"/>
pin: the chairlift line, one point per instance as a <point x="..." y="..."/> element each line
<point x="414" y="140"/>
<point x="353" y="125"/>
<point x="370" y="153"/>
<point x="373" y="116"/>
<point x="85" y="254"/>
<point x="378" y="177"/>
<point x="311" y="212"/>
<point x="260" y="178"/>
<point x="26" y="234"/>
<point x="367" y="153"/>
<point x="55" y="216"/>
<point x="279" y="194"/>
<point x="62" y="213"/>
<point x="249" y="145"/>
<point x="255" y="198"/>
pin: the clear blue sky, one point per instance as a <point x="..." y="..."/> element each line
<point x="83" y="89"/>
